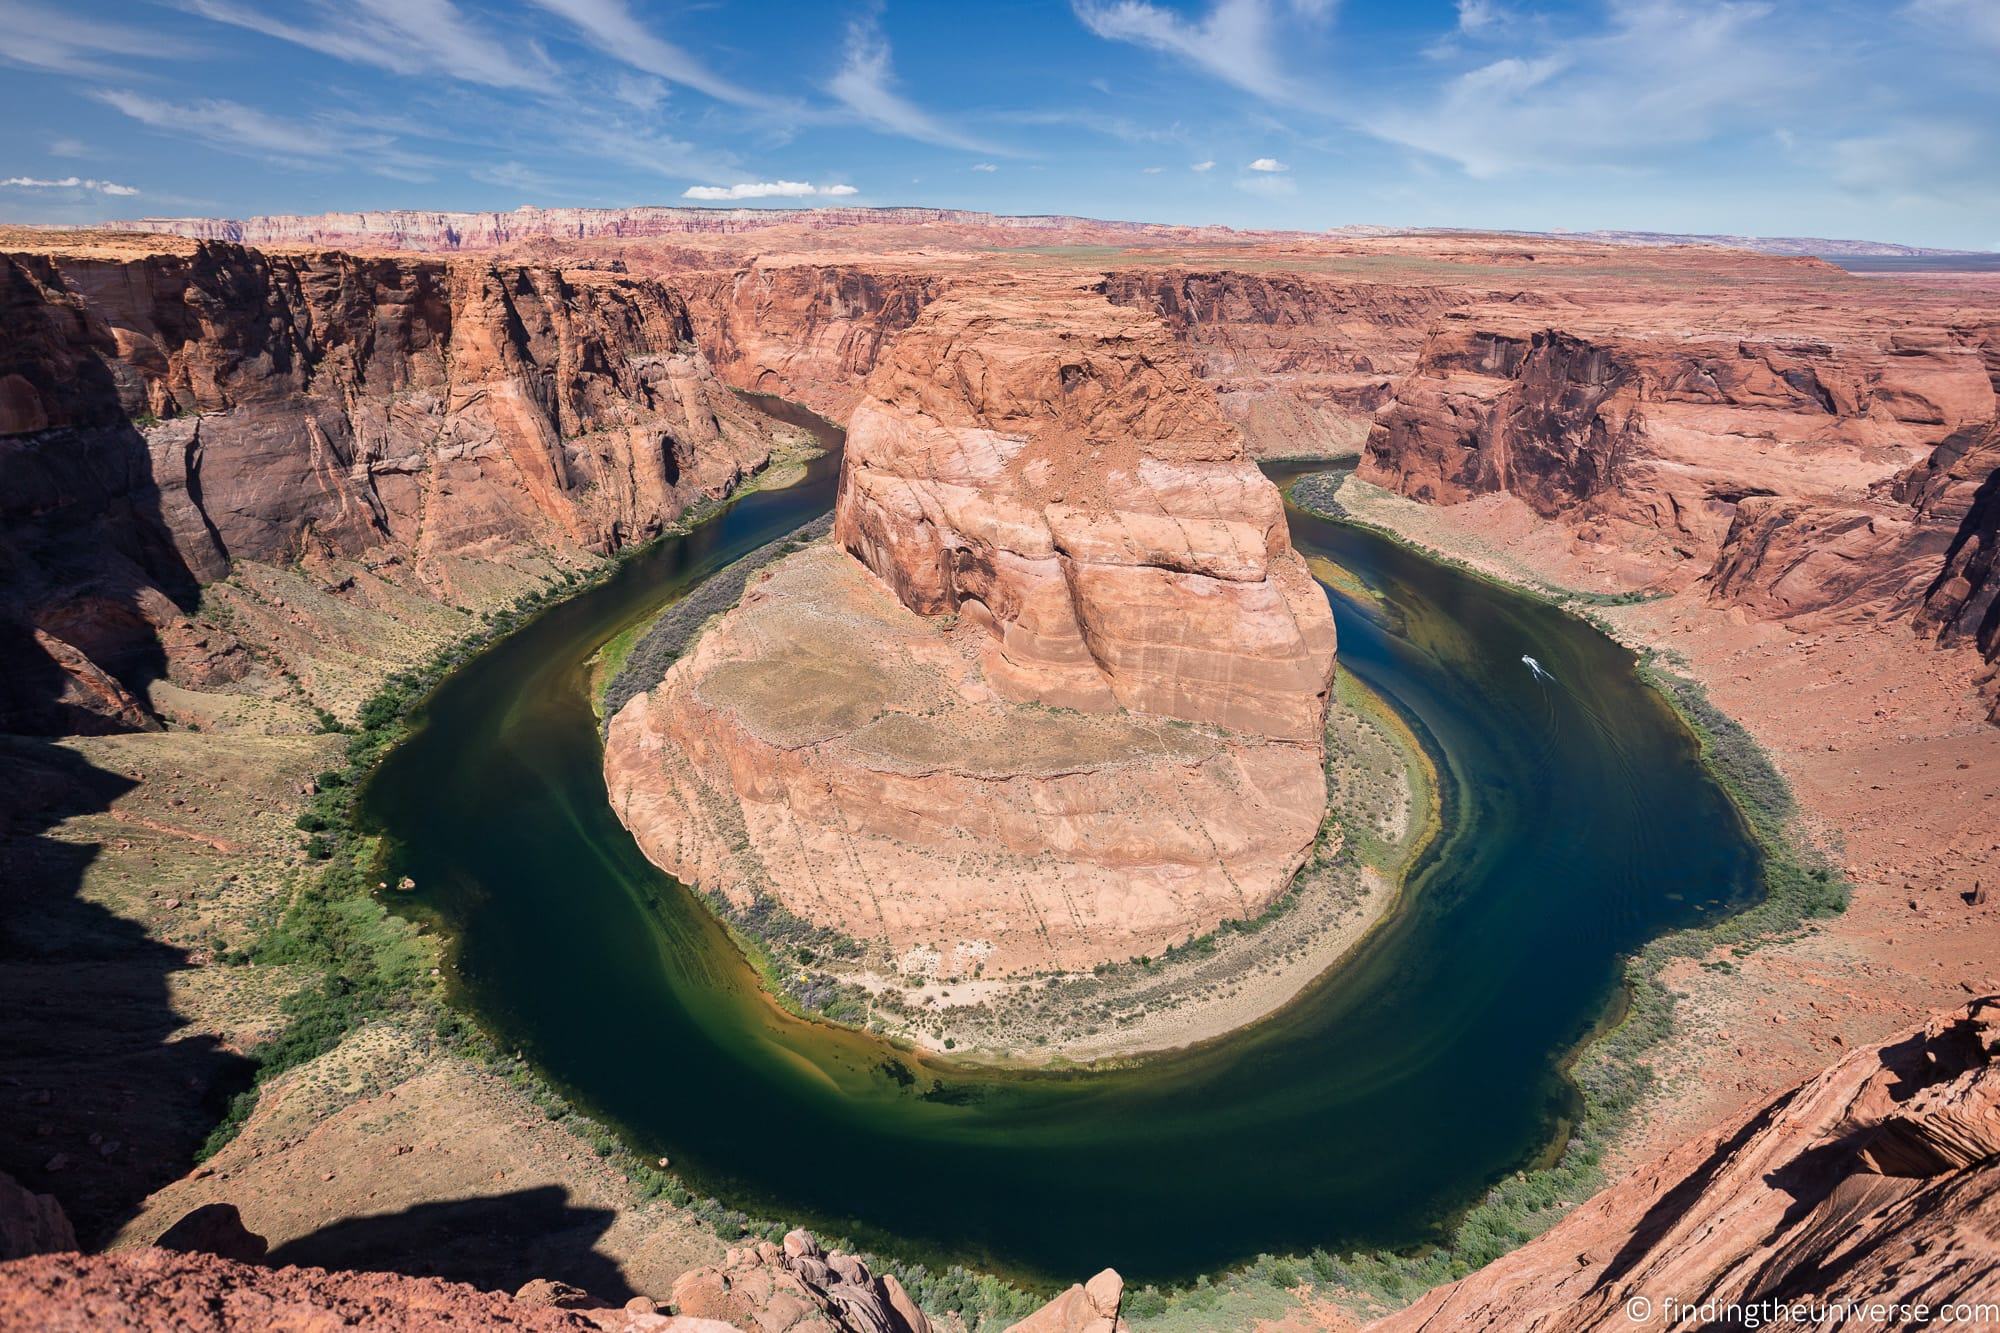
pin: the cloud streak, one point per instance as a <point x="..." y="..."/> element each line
<point x="1236" y="42"/>
<point x="1660" y="74"/>
<point x="32" y="37"/>
<point x="401" y="36"/>
<point x="236" y="128"/>
<point x="612" y="28"/>
<point x="68" y="183"/>
<point x="767" y="190"/>
<point x="865" y="85"/>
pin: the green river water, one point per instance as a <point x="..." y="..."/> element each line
<point x="1578" y="823"/>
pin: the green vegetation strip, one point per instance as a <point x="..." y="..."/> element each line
<point x="370" y="965"/>
<point x="1611" y="1069"/>
<point x="645" y="661"/>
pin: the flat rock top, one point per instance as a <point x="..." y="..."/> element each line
<point x="821" y="652"/>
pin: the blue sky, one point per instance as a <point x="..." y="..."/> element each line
<point x="1868" y="118"/>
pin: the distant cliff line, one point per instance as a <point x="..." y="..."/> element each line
<point x="430" y="229"/>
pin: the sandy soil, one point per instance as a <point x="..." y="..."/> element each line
<point x="383" y="1156"/>
<point x="1884" y="740"/>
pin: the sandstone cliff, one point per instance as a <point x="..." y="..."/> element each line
<point x="1050" y="470"/>
<point x="806" y="332"/>
<point x="414" y="229"/>
<point x="1820" y="478"/>
<point x="949" y="732"/>
<point x="1299" y="362"/>
<point x="1879" y="1180"/>
<point x="165" y="415"/>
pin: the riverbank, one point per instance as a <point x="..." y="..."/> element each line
<point x="372" y="1118"/>
<point x="1874" y="737"/>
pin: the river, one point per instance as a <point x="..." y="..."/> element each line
<point x="1578" y="824"/>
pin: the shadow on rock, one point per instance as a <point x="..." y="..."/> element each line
<point x="497" y="1242"/>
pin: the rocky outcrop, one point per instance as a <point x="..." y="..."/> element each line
<point x="808" y="333"/>
<point x="165" y="415"/>
<point x="1087" y="1307"/>
<point x="1054" y="696"/>
<point x="1048" y="469"/>
<point x="792" y="1287"/>
<point x="1878" y="1180"/>
<point x="796" y="1287"/>
<point x="138" y="1291"/>
<point x="31" y="1223"/>
<point x="1299" y="363"/>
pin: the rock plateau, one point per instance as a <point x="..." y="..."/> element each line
<point x="1054" y="695"/>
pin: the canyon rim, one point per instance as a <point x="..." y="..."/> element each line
<point x="649" y="682"/>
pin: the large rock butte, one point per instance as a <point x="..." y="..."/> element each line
<point x="1054" y="695"/>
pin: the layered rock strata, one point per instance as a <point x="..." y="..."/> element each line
<point x="1054" y="695"/>
<point x="811" y="333"/>
<point x="167" y="414"/>
<point x="1300" y="363"/>
<point x="419" y="229"/>
<point x="1826" y="479"/>
<point x="1877" y="1181"/>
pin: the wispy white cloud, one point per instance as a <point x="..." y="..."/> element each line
<point x="1976" y="19"/>
<point x="641" y="93"/>
<point x="1659" y="73"/>
<point x="64" y="43"/>
<point x="865" y="85"/>
<point x="402" y="36"/>
<point x="1268" y="164"/>
<point x="68" y="183"/>
<point x="611" y="27"/>
<point x="767" y="190"/>
<point x="1209" y="165"/>
<point x="1480" y="16"/>
<point x="234" y="127"/>
<point x="1237" y="41"/>
<point x="64" y="146"/>
<point x="982" y="166"/>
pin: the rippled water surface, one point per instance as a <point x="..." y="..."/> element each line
<point x="1578" y="825"/>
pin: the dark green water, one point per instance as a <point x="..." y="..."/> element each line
<point x="1578" y="824"/>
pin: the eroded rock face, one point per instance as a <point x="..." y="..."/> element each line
<point x="1878" y="1180"/>
<point x="31" y="1223"/>
<point x="828" y="748"/>
<point x="1087" y="1307"/>
<point x="166" y="415"/>
<point x="1299" y="363"/>
<point x="1819" y="480"/>
<point x="1055" y="693"/>
<point x="797" y="1286"/>
<point x="1046" y="467"/>
<point x="808" y="333"/>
